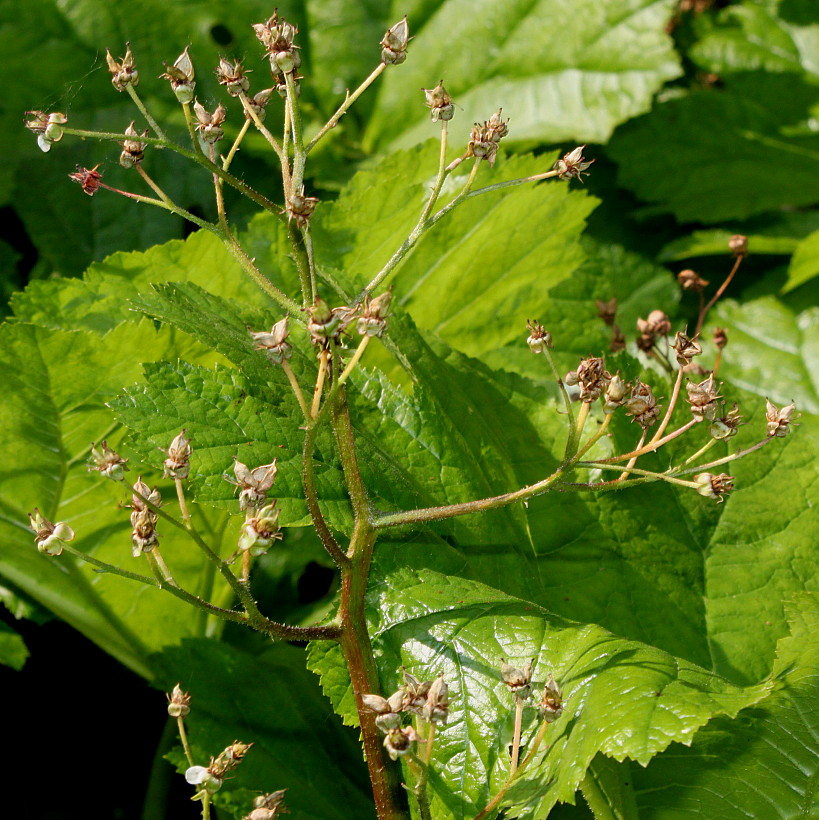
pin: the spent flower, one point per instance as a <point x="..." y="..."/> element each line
<point x="373" y="320"/>
<point x="49" y="538"/>
<point x="179" y="702"/>
<point x="180" y="75"/>
<point x="779" y="420"/>
<point x="133" y="149"/>
<point x="108" y="463"/>
<point x="124" y="71"/>
<point x="233" y="76"/>
<point x="519" y="681"/>
<point x="274" y="343"/>
<point x="714" y="486"/>
<point x="47" y="127"/>
<point x="209" y="125"/>
<point x="439" y="102"/>
<point x="177" y="464"/>
<point x="539" y="338"/>
<point x="572" y="165"/>
<point x="394" y="43"/>
<point x="550" y="707"/>
<point x="254" y="483"/>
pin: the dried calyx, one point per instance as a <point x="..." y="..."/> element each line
<point x="181" y="76"/>
<point x="394" y="43"/>
<point x="124" y="71"/>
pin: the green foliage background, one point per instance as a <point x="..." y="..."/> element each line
<point x="683" y="633"/>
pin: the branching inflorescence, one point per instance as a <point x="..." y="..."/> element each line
<point x="585" y="391"/>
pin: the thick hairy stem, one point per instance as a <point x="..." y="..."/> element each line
<point x="390" y="799"/>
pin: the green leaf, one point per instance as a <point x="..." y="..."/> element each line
<point x="13" y="650"/>
<point x="773" y="350"/>
<point x="101" y="300"/>
<point x="756" y="35"/>
<point x="471" y="270"/>
<point x="326" y="659"/>
<point x="718" y="155"/>
<point x="559" y="76"/>
<point x="715" y="243"/>
<point x="53" y="406"/>
<point x="804" y="264"/>
<point x="270" y="700"/>
<point x="621" y="698"/>
<point x="763" y="764"/>
<point x="225" y="415"/>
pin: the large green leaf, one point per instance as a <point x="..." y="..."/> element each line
<point x="560" y="74"/>
<point x="757" y="34"/>
<point x="226" y="416"/>
<point x="764" y="763"/>
<point x="57" y="383"/>
<point x="773" y="350"/>
<point x="715" y="155"/>
<point x="270" y="700"/>
<point x="102" y="299"/>
<point x="488" y="265"/>
<point x="13" y="650"/>
<point x="622" y="698"/>
<point x="805" y="262"/>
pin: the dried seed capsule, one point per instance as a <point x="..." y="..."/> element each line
<point x="539" y="338"/>
<point x="439" y="102"/>
<point x="572" y="165"/>
<point x="779" y="421"/>
<point x="275" y="343"/>
<point x="738" y="244"/>
<point x="107" y="462"/>
<point x="133" y="150"/>
<point x="550" y="707"/>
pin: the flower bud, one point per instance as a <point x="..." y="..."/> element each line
<point x="50" y="538"/>
<point x="275" y="343"/>
<point x="107" y="462"/>
<point x="123" y="73"/>
<point x="394" y="43"/>
<point x="572" y="165"/>
<point x="178" y="702"/>
<point x="181" y="75"/>
<point x="738" y="244"/>
<point x="714" y="486"/>
<point x="177" y="464"/>
<point x="439" y="102"/>
<point x="779" y="421"/>
<point x="539" y="338"/>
